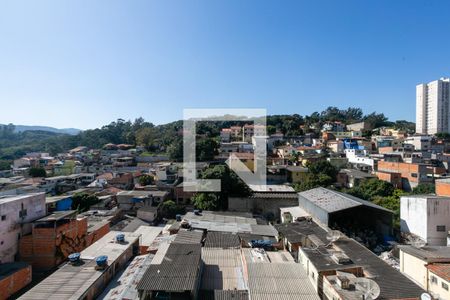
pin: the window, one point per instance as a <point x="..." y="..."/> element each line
<point x="445" y="286"/>
<point x="414" y="175"/>
<point x="433" y="279"/>
<point x="3" y="217"/>
<point x="440" y="228"/>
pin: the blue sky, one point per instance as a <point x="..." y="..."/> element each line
<point x="85" y="63"/>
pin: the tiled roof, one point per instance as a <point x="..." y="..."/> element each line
<point x="441" y="270"/>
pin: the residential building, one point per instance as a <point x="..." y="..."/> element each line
<point x="350" y="177"/>
<point x="439" y="280"/>
<point x="427" y="217"/>
<point x="225" y="135"/>
<point x="428" y="266"/>
<point x="433" y="107"/>
<point x="420" y="142"/>
<point x="16" y="215"/>
<point x="319" y="257"/>
<point x="412" y="174"/>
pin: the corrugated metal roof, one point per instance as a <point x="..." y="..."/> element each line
<point x="223" y="295"/>
<point x="332" y="201"/>
<point x="222" y="269"/>
<point x="72" y="282"/>
<point x="219" y="218"/>
<point x="123" y="286"/>
<point x="279" y="281"/>
<point x="178" y="271"/>
<point x="188" y="237"/>
<point x="222" y="240"/>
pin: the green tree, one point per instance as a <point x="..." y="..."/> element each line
<point x="231" y="184"/>
<point x="312" y="181"/>
<point x="145" y="180"/>
<point x="5" y="164"/>
<point x="175" y="150"/>
<point x="37" y="172"/>
<point x="169" y="209"/>
<point x="424" y="188"/>
<point x="83" y="201"/>
<point x="373" y="187"/>
<point x="206" y="201"/>
<point x="323" y="167"/>
<point x="206" y="149"/>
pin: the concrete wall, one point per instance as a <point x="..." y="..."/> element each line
<point x="422" y="215"/>
<point x="13" y="226"/>
<point x="414" y="268"/>
<point x="260" y="205"/>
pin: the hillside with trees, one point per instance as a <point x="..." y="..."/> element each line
<point x="167" y="138"/>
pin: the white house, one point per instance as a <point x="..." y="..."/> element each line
<point x="426" y="216"/>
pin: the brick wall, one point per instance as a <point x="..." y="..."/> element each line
<point x="45" y="250"/>
<point x="15" y="282"/>
<point x="442" y="188"/>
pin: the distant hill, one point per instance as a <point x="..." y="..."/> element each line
<point x="22" y="128"/>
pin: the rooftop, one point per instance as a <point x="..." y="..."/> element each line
<point x="125" y="283"/>
<point x="222" y="240"/>
<point x="58" y="215"/>
<point x="429" y="254"/>
<point x="441" y="270"/>
<point x="393" y="284"/>
<point x="332" y="201"/>
<point x="278" y="188"/>
<point x="148" y="234"/>
<point x="222" y="270"/>
<point x="219" y="217"/>
<point x="279" y="281"/>
<point x="6" y="199"/>
<point x="178" y="271"/>
<point x="188" y="237"/>
<point x="73" y="281"/>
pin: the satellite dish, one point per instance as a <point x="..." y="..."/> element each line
<point x="333" y="235"/>
<point x="425" y="296"/>
<point x="369" y="287"/>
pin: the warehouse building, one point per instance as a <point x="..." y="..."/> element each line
<point x="352" y="215"/>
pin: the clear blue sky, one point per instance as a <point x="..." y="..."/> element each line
<point x="85" y="63"/>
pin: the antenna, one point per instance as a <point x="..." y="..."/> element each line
<point x="369" y="287"/>
<point x="333" y="235"/>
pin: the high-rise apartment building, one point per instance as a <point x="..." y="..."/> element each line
<point x="433" y="107"/>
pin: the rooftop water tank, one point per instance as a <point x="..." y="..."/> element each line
<point x="101" y="260"/>
<point x="120" y="238"/>
<point x="74" y="257"/>
<point x="178" y="218"/>
<point x="196" y="212"/>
